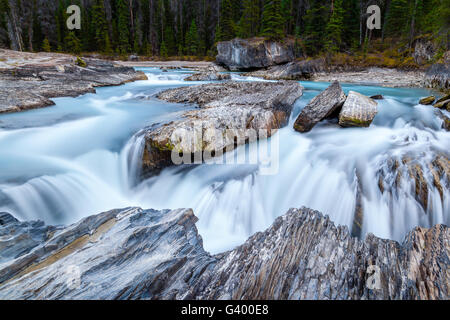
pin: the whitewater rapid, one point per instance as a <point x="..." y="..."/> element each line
<point x="82" y="156"/>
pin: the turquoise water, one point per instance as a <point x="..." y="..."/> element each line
<point x="81" y="157"/>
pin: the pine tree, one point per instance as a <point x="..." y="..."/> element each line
<point x="73" y="44"/>
<point x="38" y="37"/>
<point x="123" y="28"/>
<point x="226" y="25"/>
<point x="46" y="46"/>
<point x="350" y="34"/>
<point x="272" y="23"/>
<point x="99" y="25"/>
<point x="163" y="50"/>
<point x="316" y="19"/>
<point x="192" y="41"/>
<point x="61" y="18"/>
<point x="397" y="19"/>
<point x="249" y="23"/>
<point x="335" y="27"/>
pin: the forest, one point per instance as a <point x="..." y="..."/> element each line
<point x="169" y="28"/>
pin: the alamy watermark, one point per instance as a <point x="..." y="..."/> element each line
<point x="199" y="145"/>
<point x="74" y="20"/>
<point x="374" y="280"/>
<point x="374" y="20"/>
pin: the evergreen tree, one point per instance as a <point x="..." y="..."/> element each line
<point x="226" y="25"/>
<point x="38" y="37"/>
<point x="272" y="23"/>
<point x="350" y="34"/>
<point x="316" y="19"/>
<point x="99" y="25"/>
<point x="46" y="46"/>
<point x="192" y="40"/>
<point x="335" y="27"/>
<point x="397" y="18"/>
<point x="163" y="50"/>
<point x="123" y="27"/>
<point x="73" y="44"/>
<point x="249" y="23"/>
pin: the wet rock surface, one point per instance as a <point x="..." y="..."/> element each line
<point x="321" y="107"/>
<point x="255" y="53"/>
<point x="438" y="77"/>
<point x="230" y="114"/>
<point x="210" y="74"/>
<point x="295" y="70"/>
<point x="357" y="111"/>
<point x="147" y="254"/>
<point x="29" y="80"/>
<point x="427" y="100"/>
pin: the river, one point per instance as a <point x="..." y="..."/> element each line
<point x="82" y="156"/>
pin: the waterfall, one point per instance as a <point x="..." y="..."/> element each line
<point x="83" y="156"/>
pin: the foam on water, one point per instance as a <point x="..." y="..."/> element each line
<point x="82" y="157"/>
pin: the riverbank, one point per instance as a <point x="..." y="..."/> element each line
<point x="30" y="80"/>
<point x="147" y="254"/>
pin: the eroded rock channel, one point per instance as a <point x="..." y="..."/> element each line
<point x="147" y="254"/>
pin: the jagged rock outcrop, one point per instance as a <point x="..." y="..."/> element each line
<point x="427" y="100"/>
<point x="445" y="120"/>
<point x="255" y="53"/>
<point x="438" y="77"/>
<point x="424" y="51"/>
<point x="29" y="80"/>
<point x="211" y="74"/>
<point x="443" y="105"/>
<point x="357" y="111"/>
<point x="295" y="70"/>
<point x="147" y="254"/>
<point x="230" y="114"/>
<point x="322" y="106"/>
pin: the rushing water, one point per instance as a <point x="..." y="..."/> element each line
<point x="81" y="157"/>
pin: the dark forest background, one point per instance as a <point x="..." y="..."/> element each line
<point x="193" y="27"/>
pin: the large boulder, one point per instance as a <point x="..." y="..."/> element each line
<point x="255" y="53"/>
<point x="210" y="74"/>
<point x="443" y="105"/>
<point x="357" y="111"/>
<point x="321" y="107"/>
<point x="295" y="70"/>
<point x="29" y="80"/>
<point x="427" y="100"/>
<point x="230" y="114"/>
<point x="438" y="77"/>
<point x="147" y="254"/>
<point x="424" y="51"/>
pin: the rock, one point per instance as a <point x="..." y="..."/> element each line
<point x="444" y="98"/>
<point x="147" y="254"/>
<point x="29" y="80"/>
<point x="357" y="111"/>
<point x="209" y="75"/>
<point x="445" y="120"/>
<point x="424" y="51"/>
<point x="383" y="77"/>
<point x="438" y="77"/>
<point x="133" y="58"/>
<point x="296" y="70"/>
<point x="422" y="173"/>
<point x="377" y="97"/>
<point x="230" y="114"/>
<point x="428" y="100"/>
<point x="443" y="105"/>
<point x="319" y="108"/>
<point x="255" y="53"/>
<point x="446" y="57"/>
